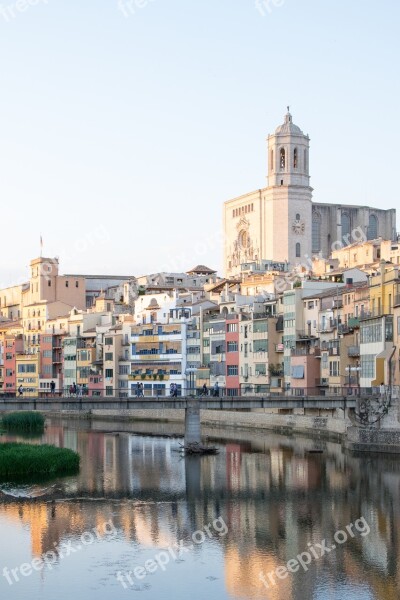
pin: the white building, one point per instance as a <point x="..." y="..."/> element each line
<point x="281" y="223"/>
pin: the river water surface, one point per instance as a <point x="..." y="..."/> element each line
<point x="142" y="521"/>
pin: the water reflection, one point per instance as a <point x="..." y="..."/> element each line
<point x="275" y="496"/>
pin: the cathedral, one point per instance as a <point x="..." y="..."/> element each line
<point x="281" y="222"/>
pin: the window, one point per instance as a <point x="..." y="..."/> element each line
<point x="368" y="366"/>
<point x="334" y="368"/>
<point x="47" y="353"/>
<point x="260" y="345"/>
<point x="295" y="158"/>
<point x="298" y="217"/>
<point x="298" y="250"/>
<point x="108" y="340"/>
<point x="261" y="369"/>
<point x="232" y="328"/>
<point x="305" y="161"/>
<point x="282" y="159"/>
<point x="124" y="369"/>
<point x="316" y="232"/>
<point x="26" y="368"/>
<point x="272" y="161"/>
<point x="109" y="373"/>
<point x="233" y="370"/>
<point x="47" y="369"/>
<point x="372" y="228"/>
<point x="371" y="333"/>
<point x="49" y="282"/>
<point x="260" y="327"/>
<point x="66" y="283"/>
<point x="232" y="347"/>
<point x="76" y="283"/>
<point x="345" y="229"/>
<point x="108" y="356"/>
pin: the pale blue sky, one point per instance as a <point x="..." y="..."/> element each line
<point x="138" y="129"/>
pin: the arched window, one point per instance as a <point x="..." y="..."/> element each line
<point x="372" y="227"/>
<point x="298" y="250"/>
<point x="316" y="232"/>
<point x="282" y="159"/>
<point x="295" y="158"/>
<point x="305" y="161"/>
<point x="345" y="229"/>
<point x="272" y="160"/>
<point x="297" y="217"/>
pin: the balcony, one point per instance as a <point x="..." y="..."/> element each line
<point x="306" y="352"/>
<point x="353" y="351"/>
<point x="353" y="323"/>
<point x="334" y="351"/>
<point x="305" y="335"/>
<point x="324" y="382"/>
<point x="328" y="326"/>
<point x="279" y="347"/>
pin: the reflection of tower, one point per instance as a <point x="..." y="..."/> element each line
<point x="193" y="477"/>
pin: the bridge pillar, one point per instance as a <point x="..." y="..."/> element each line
<point x="192" y="422"/>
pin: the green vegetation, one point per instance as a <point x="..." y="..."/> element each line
<point x="23" y="421"/>
<point x="18" y="460"/>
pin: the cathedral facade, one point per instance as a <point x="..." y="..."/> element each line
<point x="281" y="222"/>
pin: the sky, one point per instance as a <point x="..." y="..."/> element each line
<point x="124" y="126"/>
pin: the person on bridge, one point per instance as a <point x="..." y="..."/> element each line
<point x="52" y="387"/>
<point x="204" y="391"/>
<point x="216" y="390"/>
<point x="20" y="390"/>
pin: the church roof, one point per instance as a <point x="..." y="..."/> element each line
<point x="288" y="127"/>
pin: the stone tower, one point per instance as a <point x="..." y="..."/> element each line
<point x="288" y="196"/>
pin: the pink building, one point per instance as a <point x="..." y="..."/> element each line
<point x="232" y="355"/>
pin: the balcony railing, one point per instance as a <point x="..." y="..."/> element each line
<point x="353" y="351"/>
<point x="353" y="323"/>
<point x="304" y="335"/>
<point x="306" y="352"/>
<point x="279" y="348"/>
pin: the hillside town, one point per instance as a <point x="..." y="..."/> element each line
<point x="326" y="327"/>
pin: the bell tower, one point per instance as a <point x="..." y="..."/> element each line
<point x="288" y="197"/>
<point x="288" y="155"/>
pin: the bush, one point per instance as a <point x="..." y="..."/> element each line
<point x="26" y="459"/>
<point x="24" y="421"/>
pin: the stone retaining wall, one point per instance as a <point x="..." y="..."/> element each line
<point x="260" y="419"/>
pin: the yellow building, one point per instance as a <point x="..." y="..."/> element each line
<point x="27" y="373"/>
<point x="377" y="342"/>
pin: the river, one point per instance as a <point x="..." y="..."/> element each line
<point x="270" y="516"/>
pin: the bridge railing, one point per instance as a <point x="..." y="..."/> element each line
<point x="248" y="390"/>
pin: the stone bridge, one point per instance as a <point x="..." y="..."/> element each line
<point x="190" y="405"/>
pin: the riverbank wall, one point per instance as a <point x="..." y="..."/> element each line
<point x="320" y="423"/>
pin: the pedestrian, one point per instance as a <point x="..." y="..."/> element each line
<point x="74" y="388"/>
<point x="20" y="390"/>
<point x="138" y="389"/>
<point x="204" y="390"/>
<point x="171" y="389"/>
<point x="52" y="387"/>
<point x="71" y="389"/>
<point x="79" y="390"/>
<point x="216" y="390"/>
<point x="382" y="389"/>
<point x="141" y="389"/>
